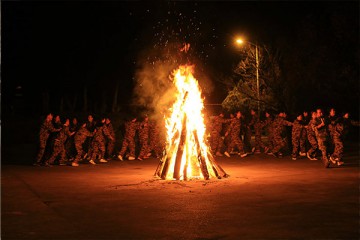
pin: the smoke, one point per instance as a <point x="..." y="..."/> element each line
<point x="154" y="90"/>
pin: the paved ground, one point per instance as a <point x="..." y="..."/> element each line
<point x="264" y="198"/>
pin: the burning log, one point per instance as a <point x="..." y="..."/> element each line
<point x="180" y="150"/>
<point x="201" y="158"/>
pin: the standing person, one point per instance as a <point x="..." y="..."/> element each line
<point x="129" y="139"/>
<point x="258" y="126"/>
<point x="110" y="141"/>
<point x="321" y="135"/>
<point x="70" y="142"/>
<point x="311" y="136"/>
<point x="46" y="128"/>
<point x="234" y="131"/>
<point x="90" y="125"/>
<point x="269" y="131"/>
<point x="297" y="142"/>
<point x="278" y="131"/>
<point x="337" y="138"/>
<point x="59" y="145"/>
<point x="247" y="128"/>
<point x="98" y="142"/>
<point x="216" y="139"/>
<point x="331" y="122"/>
<point x="305" y="122"/>
<point x="157" y="138"/>
<point x="144" y="138"/>
<point x="79" y="139"/>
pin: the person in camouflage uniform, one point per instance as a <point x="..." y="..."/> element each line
<point x="311" y="136"/>
<point x="297" y="141"/>
<point x="337" y="138"/>
<point x="247" y="130"/>
<point x="303" y="137"/>
<point x="331" y="122"/>
<point x="46" y="128"/>
<point x="278" y="130"/>
<point x="98" y="142"/>
<point x="79" y="139"/>
<point x="129" y="139"/>
<point x="91" y="126"/>
<point x="234" y="130"/>
<point x="226" y="128"/>
<point x="59" y="145"/>
<point x="321" y="136"/>
<point x="258" y="126"/>
<point x="144" y="127"/>
<point x="267" y="124"/>
<point x="110" y="141"/>
<point x="216" y="139"/>
<point x="70" y="142"/>
<point x="157" y="139"/>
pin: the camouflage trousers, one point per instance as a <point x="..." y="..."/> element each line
<point x="110" y="147"/>
<point x="144" y="147"/>
<point x="298" y="143"/>
<point x="247" y="140"/>
<point x="98" y="150"/>
<point x="157" y="145"/>
<point x="216" y="142"/>
<point x="321" y="140"/>
<point x="128" y="143"/>
<point x="42" y="146"/>
<point x="338" y="147"/>
<point x="278" y="142"/>
<point x="258" y="142"/>
<point x="59" y="150"/>
<point x="235" y="142"/>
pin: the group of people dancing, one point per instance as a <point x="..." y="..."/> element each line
<point x="311" y="133"/>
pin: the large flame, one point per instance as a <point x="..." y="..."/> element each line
<point x="187" y="153"/>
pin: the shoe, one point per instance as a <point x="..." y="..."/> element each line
<point x="279" y="155"/>
<point x="227" y="154"/>
<point x="131" y="158"/>
<point x="47" y="165"/>
<point x="74" y="164"/>
<point x="62" y="164"/>
<point x="103" y="160"/>
<point x="302" y="154"/>
<point x="140" y="159"/>
<point x="271" y="154"/>
<point x="148" y="155"/>
<point x="92" y="162"/>
<point x="326" y="162"/>
<point x="219" y="154"/>
<point x="308" y="156"/>
<point x="332" y="160"/>
<point x="120" y="158"/>
<point x="293" y="158"/>
<point x="257" y="152"/>
<point x="339" y="163"/>
<point x="243" y="155"/>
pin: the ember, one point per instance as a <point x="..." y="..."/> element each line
<point x="187" y="153"/>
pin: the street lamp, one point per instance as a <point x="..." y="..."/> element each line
<point x="240" y="41"/>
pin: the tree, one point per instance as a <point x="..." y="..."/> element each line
<point x="244" y="91"/>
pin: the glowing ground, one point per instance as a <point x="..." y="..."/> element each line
<point x="264" y="198"/>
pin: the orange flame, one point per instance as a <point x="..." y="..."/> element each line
<point x="187" y="153"/>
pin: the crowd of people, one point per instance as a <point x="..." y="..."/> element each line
<point x="310" y="134"/>
<point x="69" y="142"/>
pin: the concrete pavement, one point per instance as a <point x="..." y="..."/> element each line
<point x="264" y="198"/>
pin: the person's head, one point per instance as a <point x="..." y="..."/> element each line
<point x="238" y="114"/>
<point x="346" y="115"/>
<point x="267" y="114"/>
<point x="74" y="121"/>
<point x="90" y="118"/>
<point x="67" y="122"/>
<point x="49" y="117"/>
<point x="313" y="115"/>
<point x="57" y="119"/>
<point x="319" y="112"/>
<point x="107" y="120"/>
<point x="103" y="120"/>
<point x="305" y="114"/>
<point x="332" y="112"/>
<point x="134" y="119"/>
<point x="232" y="115"/>
<point x="299" y="117"/>
<point x="221" y="114"/>
<point x="284" y="115"/>
<point x="253" y="112"/>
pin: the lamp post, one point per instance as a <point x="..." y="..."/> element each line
<point x="239" y="41"/>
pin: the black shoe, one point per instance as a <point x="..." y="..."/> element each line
<point x="37" y="164"/>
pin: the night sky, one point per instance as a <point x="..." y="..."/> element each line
<point x="60" y="47"/>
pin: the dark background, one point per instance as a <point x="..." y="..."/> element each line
<point x="53" y="51"/>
